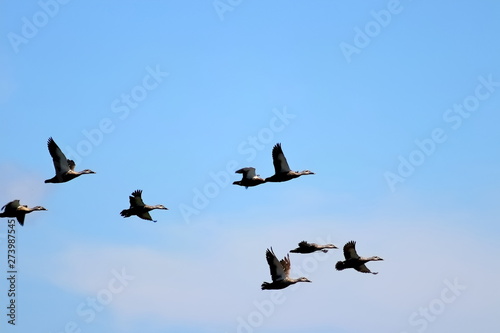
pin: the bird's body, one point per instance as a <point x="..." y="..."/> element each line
<point x="65" y="169"/>
<point x="249" y="178"/>
<point x="280" y="271"/>
<point x="282" y="171"/>
<point x="353" y="260"/>
<point x="305" y="247"/>
<point x="139" y="208"/>
<point x="15" y="209"/>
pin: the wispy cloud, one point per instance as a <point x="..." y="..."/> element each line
<point x="221" y="285"/>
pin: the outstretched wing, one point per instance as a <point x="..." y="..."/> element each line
<point x="136" y="200"/>
<point x="364" y="269"/>
<point x="350" y="251"/>
<point x="275" y="266"/>
<point x="145" y="216"/>
<point x="247" y="172"/>
<point x="279" y="160"/>
<point x="304" y="244"/>
<point x="20" y="218"/>
<point x="11" y="206"/>
<point x="60" y="162"/>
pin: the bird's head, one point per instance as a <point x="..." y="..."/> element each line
<point x="303" y="279"/>
<point x="161" y="207"/>
<point x="307" y="172"/>
<point x="375" y="258"/>
<point x="39" y="208"/>
<point x="87" y="171"/>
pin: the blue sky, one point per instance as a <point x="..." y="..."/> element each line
<point x="393" y="104"/>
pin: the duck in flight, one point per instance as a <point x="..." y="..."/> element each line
<point x="249" y="178"/>
<point x="65" y="169"/>
<point x="305" y="247"/>
<point x="280" y="271"/>
<point x="139" y="208"/>
<point x="15" y="209"/>
<point x="282" y="171"/>
<point x="353" y="260"/>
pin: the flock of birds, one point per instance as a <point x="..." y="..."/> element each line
<point x="280" y="269"/>
<point x="282" y="171"/>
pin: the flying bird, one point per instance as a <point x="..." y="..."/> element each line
<point x="353" y="260"/>
<point x="282" y="171"/>
<point x="305" y="247"/>
<point x="249" y="178"/>
<point x="279" y="272"/>
<point x="14" y="209"/>
<point x="65" y="169"/>
<point x="137" y="207"/>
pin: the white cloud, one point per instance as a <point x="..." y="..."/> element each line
<point x="220" y="284"/>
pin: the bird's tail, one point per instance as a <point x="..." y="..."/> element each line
<point x="125" y="213"/>
<point x="340" y="265"/>
<point x="264" y="285"/>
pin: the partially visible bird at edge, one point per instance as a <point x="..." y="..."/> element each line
<point x="15" y="209"/>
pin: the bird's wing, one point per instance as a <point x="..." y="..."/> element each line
<point x="71" y="165"/>
<point x="11" y="206"/>
<point x="247" y="172"/>
<point x="60" y="162"/>
<point x="304" y="244"/>
<point x="136" y="200"/>
<point x="20" y="218"/>
<point x="363" y="269"/>
<point x="145" y="216"/>
<point x="279" y="160"/>
<point x="277" y="271"/>
<point x="285" y="263"/>
<point x="350" y="251"/>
